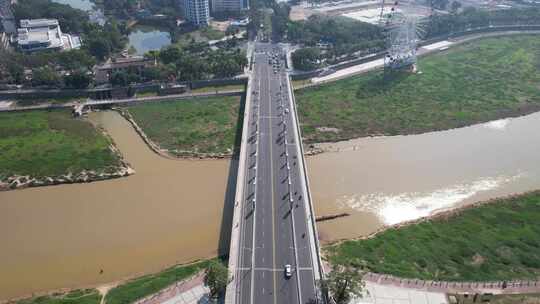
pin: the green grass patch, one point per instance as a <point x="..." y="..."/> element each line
<point x="231" y="87"/>
<point x="198" y="125"/>
<point x="211" y="33"/>
<point x="40" y="143"/>
<point x="297" y="84"/>
<point x="147" y="94"/>
<point x="474" y="82"/>
<point x="496" y="241"/>
<point x="87" y="296"/>
<point x="147" y="285"/>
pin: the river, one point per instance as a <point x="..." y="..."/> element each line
<point x="389" y="180"/>
<point x="171" y="210"/>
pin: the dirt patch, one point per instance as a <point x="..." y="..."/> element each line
<point x="220" y="25"/>
<point x="477" y="260"/>
<point x="328" y="129"/>
<point x="298" y="13"/>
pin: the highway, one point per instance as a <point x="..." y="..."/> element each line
<point x="275" y="224"/>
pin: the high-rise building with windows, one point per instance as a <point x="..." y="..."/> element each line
<point x="197" y="11"/>
<point x="229" y="5"/>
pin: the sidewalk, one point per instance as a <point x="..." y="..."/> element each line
<point x="381" y="294"/>
<point x="190" y="291"/>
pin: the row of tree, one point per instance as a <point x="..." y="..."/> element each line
<point x="470" y="18"/>
<point x="56" y="68"/>
<point x="340" y="35"/>
<point x="195" y="61"/>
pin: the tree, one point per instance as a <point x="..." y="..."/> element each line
<point x="75" y="59"/>
<point x="119" y="78"/>
<point x="99" y="47"/>
<point x="343" y="284"/>
<point x="306" y="59"/>
<point x="170" y="54"/>
<point x="45" y="76"/>
<point x="216" y="278"/>
<point x="455" y="6"/>
<point x="77" y="80"/>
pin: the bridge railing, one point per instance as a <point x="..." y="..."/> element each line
<point x="230" y="294"/>
<point x="304" y="168"/>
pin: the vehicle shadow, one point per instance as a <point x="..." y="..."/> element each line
<point x="228" y="202"/>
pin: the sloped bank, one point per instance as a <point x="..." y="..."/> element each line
<point x="494" y="240"/>
<point x="477" y="81"/>
<point x="51" y="148"/>
<point x="198" y="128"/>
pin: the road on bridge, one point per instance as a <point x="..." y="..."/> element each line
<point x="275" y="224"/>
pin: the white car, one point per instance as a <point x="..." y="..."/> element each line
<point x="288" y="271"/>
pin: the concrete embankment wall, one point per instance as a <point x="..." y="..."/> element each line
<point x="124" y="102"/>
<point x="108" y="92"/>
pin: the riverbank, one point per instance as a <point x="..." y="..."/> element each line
<point x="193" y="128"/>
<point x="120" y="292"/>
<point x="487" y="241"/>
<point x="139" y="223"/>
<point x="50" y="148"/>
<point x="474" y="82"/>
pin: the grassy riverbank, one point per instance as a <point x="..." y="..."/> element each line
<point x="147" y="285"/>
<point x="198" y="125"/>
<point x="223" y="88"/>
<point x="475" y="82"/>
<point x="127" y="292"/>
<point x="496" y="241"/>
<point x="88" y="296"/>
<point x="40" y="144"/>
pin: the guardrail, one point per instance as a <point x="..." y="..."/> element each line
<point x="234" y="256"/>
<point x="304" y="168"/>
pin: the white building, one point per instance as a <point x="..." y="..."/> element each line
<point x="197" y="11"/>
<point x="44" y="34"/>
<point x="229" y="5"/>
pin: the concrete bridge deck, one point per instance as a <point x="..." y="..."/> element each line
<point x="273" y="223"/>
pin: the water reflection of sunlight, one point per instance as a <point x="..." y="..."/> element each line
<point x="500" y="124"/>
<point x="394" y="209"/>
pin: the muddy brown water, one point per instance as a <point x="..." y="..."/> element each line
<point x="389" y="180"/>
<point x="171" y="211"/>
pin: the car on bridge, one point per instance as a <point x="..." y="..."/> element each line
<point x="288" y="271"/>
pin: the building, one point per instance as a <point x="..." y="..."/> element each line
<point x="44" y="34"/>
<point x="7" y="19"/>
<point x="197" y="12"/>
<point x="132" y="64"/>
<point x="219" y="6"/>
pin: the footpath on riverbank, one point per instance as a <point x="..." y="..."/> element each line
<point x="13" y="107"/>
<point x="423" y="51"/>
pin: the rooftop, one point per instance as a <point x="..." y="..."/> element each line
<point x="33" y="23"/>
<point x="40" y="34"/>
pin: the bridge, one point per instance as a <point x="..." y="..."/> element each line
<point x="273" y="222"/>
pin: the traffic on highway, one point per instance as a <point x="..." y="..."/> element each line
<point x="278" y="259"/>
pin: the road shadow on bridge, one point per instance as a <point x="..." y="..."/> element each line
<point x="228" y="202"/>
